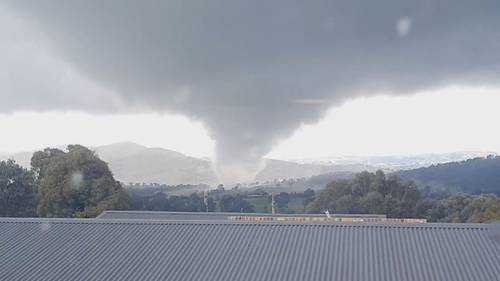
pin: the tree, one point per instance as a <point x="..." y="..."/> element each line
<point x="137" y="202"/>
<point x="371" y="203"/>
<point x="492" y="212"/>
<point x="331" y="193"/>
<point x="41" y="160"/>
<point x="309" y="193"/>
<point x="379" y="183"/>
<point x="368" y="193"/>
<point x="282" y="201"/>
<point x="362" y="182"/>
<point x="79" y="184"/>
<point x="178" y="203"/>
<point x="158" y="202"/>
<point x="475" y="210"/>
<point x="197" y="204"/>
<point x="346" y="204"/>
<point x="17" y="190"/>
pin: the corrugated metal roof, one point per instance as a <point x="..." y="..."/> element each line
<point x="149" y="215"/>
<point x="91" y="249"/>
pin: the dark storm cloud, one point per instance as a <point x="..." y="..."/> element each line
<point x="252" y="71"/>
<point x="32" y="77"/>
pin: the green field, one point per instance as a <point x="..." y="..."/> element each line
<point x="296" y="205"/>
<point x="259" y="203"/>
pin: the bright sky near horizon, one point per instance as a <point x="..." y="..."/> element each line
<point x="447" y="120"/>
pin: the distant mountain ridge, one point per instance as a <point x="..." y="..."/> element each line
<point x="473" y="176"/>
<point x="131" y="162"/>
<point x="278" y="169"/>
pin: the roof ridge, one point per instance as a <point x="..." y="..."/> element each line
<point x="228" y="222"/>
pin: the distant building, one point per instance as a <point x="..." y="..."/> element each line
<point x="158" y="215"/>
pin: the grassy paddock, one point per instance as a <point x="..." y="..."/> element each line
<point x="259" y="203"/>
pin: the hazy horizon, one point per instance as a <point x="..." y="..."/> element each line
<point x="63" y="147"/>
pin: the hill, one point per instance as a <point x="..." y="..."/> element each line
<point x="278" y="169"/>
<point x="22" y="158"/>
<point x="473" y="176"/>
<point x="131" y="162"/>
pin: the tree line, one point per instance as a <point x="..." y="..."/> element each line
<point x="151" y="188"/>
<point x="76" y="183"/>
<point x="472" y="176"/>
<point x="60" y="184"/>
<point x="374" y="193"/>
<point x="160" y="201"/>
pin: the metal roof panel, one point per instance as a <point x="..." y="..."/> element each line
<point x="104" y="249"/>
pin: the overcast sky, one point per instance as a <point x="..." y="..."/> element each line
<point x="246" y="75"/>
